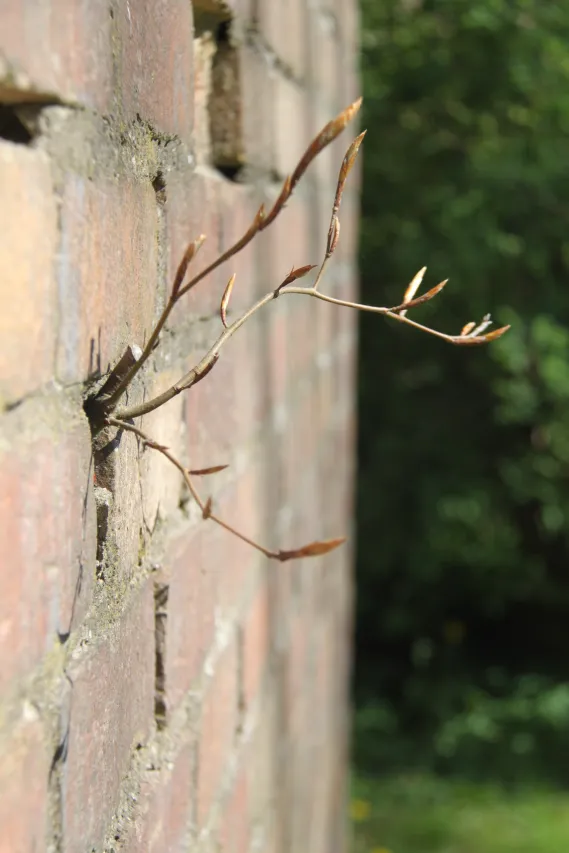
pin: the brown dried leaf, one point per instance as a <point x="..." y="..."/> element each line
<point x="294" y="274"/>
<point x="225" y="300"/>
<point x="333" y="236"/>
<point x="467" y="328"/>
<point x="203" y="472"/>
<point x="471" y="340"/>
<point x="326" y="135"/>
<point x="206" y="511"/>
<point x="346" y="167"/>
<point x="412" y="303"/>
<point x="188" y="256"/>
<point x="497" y="333"/>
<point x="314" y="549"/>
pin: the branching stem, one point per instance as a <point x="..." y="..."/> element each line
<point x="312" y="550"/>
<point x="102" y="406"/>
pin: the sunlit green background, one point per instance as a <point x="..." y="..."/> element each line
<point x="462" y="674"/>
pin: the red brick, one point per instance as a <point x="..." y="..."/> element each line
<point x="224" y="409"/>
<point x="289" y="111"/>
<point x="60" y="47"/>
<point x="161" y="482"/>
<point x="28" y="223"/>
<point x="276" y="19"/>
<point x="111" y="710"/>
<point x="192" y="590"/>
<point x="238" y="206"/>
<point x="241" y="505"/>
<point x="107" y="273"/>
<point x="193" y="208"/>
<point x="257" y="95"/>
<point x="235" y="830"/>
<point x="24" y="772"/>
<point x="47" y="516"/>
<point x="165" y="805"/>
<point x="156" y="63"/>
<point x="263" y="759"/>
<point x="256" y="644"/>
<point x="326" y="56"/>
<point x="218" y="728"/>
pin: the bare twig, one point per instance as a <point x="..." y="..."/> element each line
<point x="471" y="334"/>
<point x="313" y="549"/>
<point x="260" y="222"/>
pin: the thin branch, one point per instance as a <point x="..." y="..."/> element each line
<point x="313" y="549"/>
<point x="260" y="222"/>
<point x="208" y="361"/>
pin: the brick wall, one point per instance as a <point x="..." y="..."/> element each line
<point x="163" y="687"/>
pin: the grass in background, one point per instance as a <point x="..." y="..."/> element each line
<point x="423" y="814"/>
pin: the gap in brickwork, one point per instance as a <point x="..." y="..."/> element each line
<point x="161" y="593"/>
<point x="13" y="126"/>
<point x="159" y="187"/>
<point x="225" y="107"/>
<point x="209" y="14"/>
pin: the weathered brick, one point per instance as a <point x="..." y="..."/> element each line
<point x="28" y="225"/>
<point x="60" y="48"/>
<point x="111" y="711"/>
<point x="325" y="65"/>
<point x="164" y="808"/>
<point x="218" y="728"/>
<point x="257" y="95"/>
<point x="47" y="516"/>
<point x="204" y="50"/>
<point x="256" y="644"/>
<point x="156" y="63"/>
<point x="107" y="273"/>
<point x="193" y="208"/>
<point x="161" y="482"/>
<point x="274" y="19"/>
<point x="235" y="831"/>
<point x="24" y="772"/>
<point x="263" y="758"/>
<point x="192" y="590"/>
<point x="291" y="134"/>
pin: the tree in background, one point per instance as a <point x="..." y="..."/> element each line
<point x="463" y="608"/>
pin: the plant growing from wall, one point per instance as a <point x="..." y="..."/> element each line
<point x="104" y="408"/>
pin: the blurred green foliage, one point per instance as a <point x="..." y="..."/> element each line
<point x="422" y="814"/>
<point x="463" y="504"/>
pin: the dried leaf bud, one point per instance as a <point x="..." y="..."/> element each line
<point x="326" y="135"/>
<point x="225" y="300"/>
<point x="346" y="167"/>
<point x="419" y="300"/>
<point x="294" y="274"/>
<point x="333" y="236"/>
<point x="189" y="255"/>
<point x="414" y="285"/>
<point x="203" y="472"/>
<point x="314" y="549"/>
<point x="206" y="511"/>
<point x="467" y="328"/>
<point x="471" y="340"/>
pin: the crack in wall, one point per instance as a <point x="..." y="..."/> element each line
<point x="161" y="594"/>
